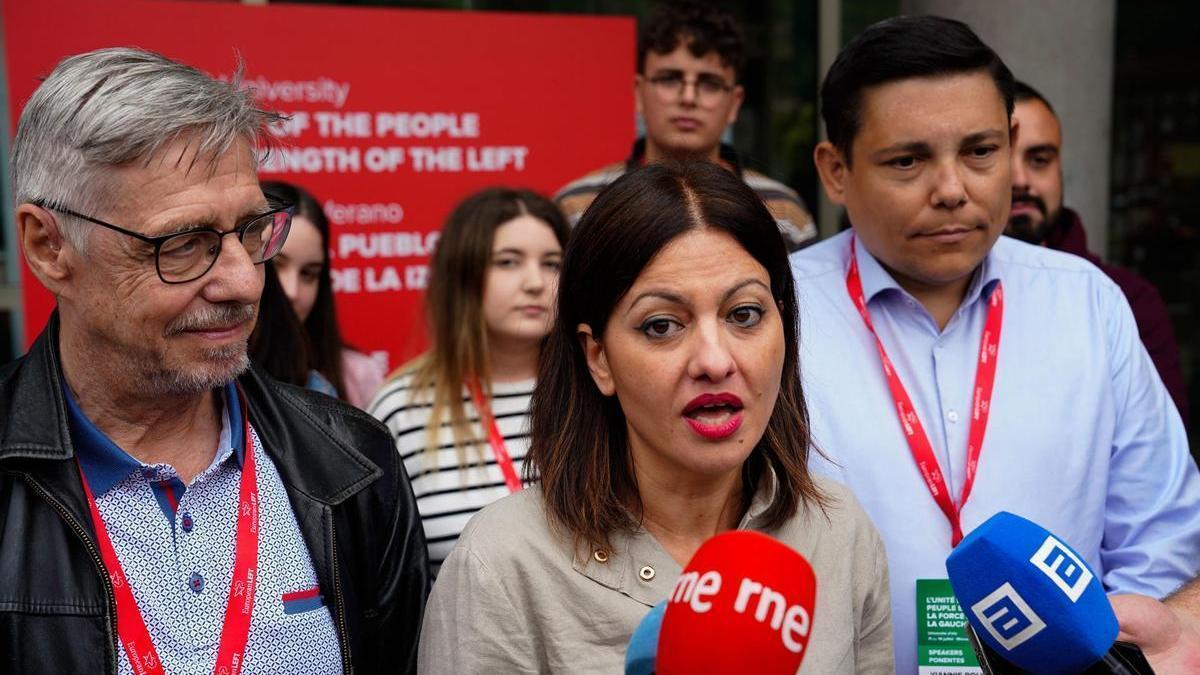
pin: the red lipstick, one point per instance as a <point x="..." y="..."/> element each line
<point x="714" y="416"/>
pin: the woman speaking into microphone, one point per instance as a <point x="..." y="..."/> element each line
<point x="668" y="409"/>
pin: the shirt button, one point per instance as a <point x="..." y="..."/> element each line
<point x="196" y="582"/>
<point x="646" y="573"/>
<point x="149" y="473"/>
<point x="601" y="556"/>
<point x="187" y="522"/>
<point x="952" y="416"/>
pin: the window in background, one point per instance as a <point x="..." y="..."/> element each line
<point x="1155" y="225"/>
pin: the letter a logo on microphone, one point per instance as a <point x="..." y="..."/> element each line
<point x="1007" y="617"/>
<point x="1063" y="567"/>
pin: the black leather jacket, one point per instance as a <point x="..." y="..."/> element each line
<point x="344" y="479"/>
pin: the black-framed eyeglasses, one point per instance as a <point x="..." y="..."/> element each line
<point x="186" y="256"/>
<point x="672" y="83"/>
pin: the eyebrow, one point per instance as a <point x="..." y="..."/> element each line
<point x="678" y="299"/>
<point x="909" y="148"/>
<point x="982" y="136"/>
<point x="517" y="251"/>
<point x="679" y="71"/>
<point x="924" y="148"/>
<point x="1045" y="147"/>
<point x="177" y="225"/>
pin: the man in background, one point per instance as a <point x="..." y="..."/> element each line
<point x="686" y="90"/>
<point x="1039" y="217"/>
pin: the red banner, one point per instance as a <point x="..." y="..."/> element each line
<point x="396" y="115"/>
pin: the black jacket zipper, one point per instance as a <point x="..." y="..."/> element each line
<point x="110" y="620"/>
<point x="339" y="603"/>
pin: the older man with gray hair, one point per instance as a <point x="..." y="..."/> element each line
<point x="163" y="506"/>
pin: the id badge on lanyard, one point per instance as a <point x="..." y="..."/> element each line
<point x="943" y="647"/>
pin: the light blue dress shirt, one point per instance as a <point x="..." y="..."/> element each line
<point x="1082" y="437"/>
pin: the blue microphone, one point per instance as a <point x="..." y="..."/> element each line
<point x="1031" y="598"/>
<point x="642" y="651"/>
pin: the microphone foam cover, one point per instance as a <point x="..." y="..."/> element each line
<point x="1031" y="597"/>
<point x="744" y="603"/>
<point x="643" y="644"/>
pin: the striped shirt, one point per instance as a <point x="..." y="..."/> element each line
<point x="448" y="494"/>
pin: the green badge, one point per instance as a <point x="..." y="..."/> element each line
<point x="942" y="644"/>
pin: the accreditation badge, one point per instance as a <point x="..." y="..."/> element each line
<point x="942" y="644"/>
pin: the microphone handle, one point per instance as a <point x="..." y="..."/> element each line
<point x="1123" y="658"/>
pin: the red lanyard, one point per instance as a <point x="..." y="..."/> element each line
<point x="918" y="441"/>
<point x="131" y="627"/>
<point x="503" y="459"/>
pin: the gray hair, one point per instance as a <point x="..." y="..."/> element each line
<point x="111" y="107"/>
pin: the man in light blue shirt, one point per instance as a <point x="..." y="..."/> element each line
<point x="1078" y="432"/>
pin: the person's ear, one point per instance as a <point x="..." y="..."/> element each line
<point x="597" y="359"/>
<point x="1014" y="128"/>
<point x="637" y="93"/>
<point x="739" y="95"/>
<point x="833" y="169"/>
<point x="44" y="246"/>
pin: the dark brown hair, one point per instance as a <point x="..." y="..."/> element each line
<point x="703" y="27"/>
<point x="902" y="48"/>
<point x="458" y="349"/>
<point x="580" y="445"/>
<point x="1022" y="92"/>
<point x="278" y="342"/>
<point x="325" y="343"/>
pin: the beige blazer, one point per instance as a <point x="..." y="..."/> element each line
<point x="514" y="598"/>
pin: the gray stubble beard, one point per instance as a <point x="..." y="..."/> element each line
<point x="199" y="378"/>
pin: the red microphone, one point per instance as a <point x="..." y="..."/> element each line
<point x="744" y="602"/>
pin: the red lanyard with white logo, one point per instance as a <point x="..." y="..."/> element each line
<point x="495" y="439"/>
<point x="131" y="627"/>
<point x="914" y="432"/>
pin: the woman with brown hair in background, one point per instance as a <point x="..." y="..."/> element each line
<point x="459" y="412"/>
<point x="302" y="267"/>
<point x="668" y="409"/>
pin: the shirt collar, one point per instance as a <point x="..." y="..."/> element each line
<point x="640" y="568"/>
<point x="764" y="497"/>
<point x="985" y="279"/>
<point x="105" y="464"/>
<point x="233" y="426"/>
<point x="875" y="279"/>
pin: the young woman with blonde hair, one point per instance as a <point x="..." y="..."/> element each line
<point x="459" y="412"/>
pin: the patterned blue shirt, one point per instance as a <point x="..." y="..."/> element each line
<point x="176" y="545"/>
<point x="1082" y="436"/>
